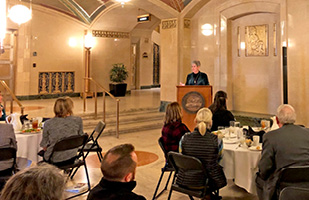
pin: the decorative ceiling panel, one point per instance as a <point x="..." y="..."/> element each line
<point x="90" y="5"/>
<point x="87" y="10"/>
<point x="53" y="4"/>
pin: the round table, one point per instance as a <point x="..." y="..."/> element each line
<point x="241" y="164"/>
<point x="28" y="145"/>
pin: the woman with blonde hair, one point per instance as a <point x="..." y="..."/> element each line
<point x="202" y="144"/>
<point x="173" y="128"/>
<point x="61" y="126"/>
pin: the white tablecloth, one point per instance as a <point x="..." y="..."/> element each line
<point x="28" y="145"/>
<point x="241" y="165"/>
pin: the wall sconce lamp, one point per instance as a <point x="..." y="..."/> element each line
<point x="207" y="29"/>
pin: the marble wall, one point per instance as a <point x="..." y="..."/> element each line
<point x="145" y="46"/>
<point x="298" y="59"/>
<point x="44" y="41"/>
<point x="109" y="51"/>
<point x="254" y="84"/>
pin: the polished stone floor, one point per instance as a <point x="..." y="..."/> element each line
<point x="150" y="156"/>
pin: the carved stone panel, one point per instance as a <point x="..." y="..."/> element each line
<point x="56" y="82"/>
<point x="110" y="34"/>
<point x="257" y="40"/>
<point x="168" y="24"/>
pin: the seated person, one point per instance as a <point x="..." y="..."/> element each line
<point x="218" y="94"/>
<point x="42" y="182"/>
<point x="202" y="144"/>
<point x="7" y="139"/>
<point x="283" y="147"/>
<point x="118" y="167"/>
<point x="61" y="126"/>
<point x="221" y="116"/>
<point x="2" y="111"/>
<point x="173" y="128"/>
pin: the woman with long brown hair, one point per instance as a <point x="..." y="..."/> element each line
<point x="173" y="128"/>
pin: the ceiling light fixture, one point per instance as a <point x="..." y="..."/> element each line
<point x="123" y="1"/>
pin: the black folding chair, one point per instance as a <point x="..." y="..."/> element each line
<point x="292" y="193"/>
<point x="68" y="143"/>
<point x="167" y="168"/>
<point x="92" y="144"/>
<point x="7" y="154"/>
<point x="297" y="176"/>
<point x="189" y="163"/>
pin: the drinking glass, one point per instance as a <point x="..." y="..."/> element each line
<point x="35" y="123"/>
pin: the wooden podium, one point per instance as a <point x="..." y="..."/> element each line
<point x="191" y="98"/>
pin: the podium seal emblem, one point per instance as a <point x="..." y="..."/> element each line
<point x="192" y="102"/>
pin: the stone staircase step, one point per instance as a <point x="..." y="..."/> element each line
<point x="132" y="120"/>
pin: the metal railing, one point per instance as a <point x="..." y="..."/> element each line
<point x="13" y="97"/>
<point x="96" y="85"/>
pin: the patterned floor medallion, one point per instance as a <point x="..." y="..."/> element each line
<point x="144" y="158"/>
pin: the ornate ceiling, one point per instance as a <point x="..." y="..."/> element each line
<point x="87" y="10"/>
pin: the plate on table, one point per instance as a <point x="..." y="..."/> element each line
<point x="230" y="141"/>
<point x="255" y="148"/>
<point x="31" y="130"/>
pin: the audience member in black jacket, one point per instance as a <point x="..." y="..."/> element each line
<point x="221" y="116"/>
<point x="118" y="168"/>
<point x="202" y="144"/>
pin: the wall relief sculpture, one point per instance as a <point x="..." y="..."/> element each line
<point x="256" y="40"/>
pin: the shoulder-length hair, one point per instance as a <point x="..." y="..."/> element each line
<point x="63" y="107"/>
<point x="173" y="113"/>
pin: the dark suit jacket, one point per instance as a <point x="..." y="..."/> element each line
<point x="202" y="79"/>
<point x="285" y="147"/>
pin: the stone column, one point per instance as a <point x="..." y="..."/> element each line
<point x="175" y="57"/>
<point x="169" y="61"/>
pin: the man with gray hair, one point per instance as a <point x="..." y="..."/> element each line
<point x="283" y="147"/>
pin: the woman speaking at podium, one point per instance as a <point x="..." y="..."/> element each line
<point x="196" y="77"/>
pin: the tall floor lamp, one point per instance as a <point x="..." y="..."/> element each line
<point x="88" y="44"/>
